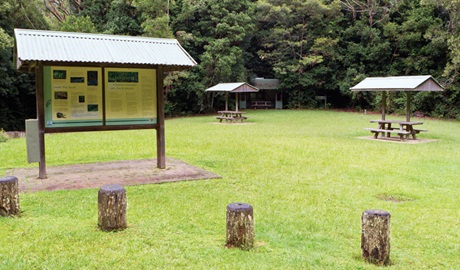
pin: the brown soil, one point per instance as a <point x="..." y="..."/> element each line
<point x="95" y="175"/>
<point x="397" y="140"/>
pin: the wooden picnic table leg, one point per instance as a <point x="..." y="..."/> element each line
<point x="376" y="134"/>
<point x="383" y="133"/>
<point x="381" y="126"/>
<point x="411" y="129"/>
<point x="389" y="128"/>
<point x="402" y="136"/>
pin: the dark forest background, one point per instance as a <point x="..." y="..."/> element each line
<point x="314" y="47"/>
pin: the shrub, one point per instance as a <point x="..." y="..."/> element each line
<point x="3" y="136"/>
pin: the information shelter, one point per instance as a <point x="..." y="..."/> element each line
<point x="95" y="82"/>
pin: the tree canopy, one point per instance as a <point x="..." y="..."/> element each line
<point x="314" y="47"/>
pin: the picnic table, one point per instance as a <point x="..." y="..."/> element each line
<point x="403" y="128"/>
<point x="261" y="104"/>
<point x="231" y="116"/>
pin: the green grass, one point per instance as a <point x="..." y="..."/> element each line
<point x="306" y="173"/>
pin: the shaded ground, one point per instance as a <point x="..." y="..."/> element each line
<point x="95" y="175"/>
<point x="397" y="140"/>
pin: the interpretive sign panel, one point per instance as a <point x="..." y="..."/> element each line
<point x="130" y="96"/>
<point x="74" y="96"/>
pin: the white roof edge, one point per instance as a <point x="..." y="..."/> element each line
<point x="229" y="87"/>
<point x="92" y="36"/>
<point x="396" y="83"/>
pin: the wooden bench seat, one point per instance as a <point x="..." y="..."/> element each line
<point x="261" y="104"/>
<point x="420" y="130"/>
<point x="398" y="131"/>
<point x="376" y="131"/>
<point x="231" y="119"/>
<point x="224" y="117"/>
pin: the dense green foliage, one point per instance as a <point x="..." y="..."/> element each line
<point x="306" y="173"/>
<point x="314" y="47"/>
<point x="17" y="90"/>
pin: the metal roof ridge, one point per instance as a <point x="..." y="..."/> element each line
<point x="397" y="83"/>
<point x="399" y="77"/>
<point x="95" y="36"/>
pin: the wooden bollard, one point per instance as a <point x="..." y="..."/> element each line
<point x="240" y="226"/>
<point x="112" y="207"/>
<point x="375" y="236"/>
<point x="9" y="196"/>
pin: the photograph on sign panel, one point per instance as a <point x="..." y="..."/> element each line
<point x="59" y="74"/>
<point x="92" y="78"/>
<point x="77" y="79"/>
<point x="60" y="95"/>
<point x="93" y="107"/>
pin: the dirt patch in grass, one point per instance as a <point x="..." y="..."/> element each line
<point x="397" y="140"/>
<point x="95" y="175"/>
<point x="397" y="198"/>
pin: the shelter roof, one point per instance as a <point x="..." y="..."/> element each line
<point x="52" y="46"/>
<point x="399" y="83"/>
<point x="266" y="84"/>
<point x="239" y="87"/>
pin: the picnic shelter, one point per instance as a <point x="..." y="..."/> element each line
<point x="407" y="84"/>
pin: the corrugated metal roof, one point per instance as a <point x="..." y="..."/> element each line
<point x="52" y="46"/>
<point x="399" y="83"/>
<point x="266" y="84"/>
<point x="239" y="87"/>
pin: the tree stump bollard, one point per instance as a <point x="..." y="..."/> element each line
<point x="9" y="196"/>
<point x="375" y="236"/>
<point x="112" y="207"/>
<point x="240" y="226"/>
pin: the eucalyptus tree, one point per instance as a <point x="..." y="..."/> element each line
<point x="374" y="11"/>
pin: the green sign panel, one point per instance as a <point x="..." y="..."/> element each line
<point x="74" y="96"/>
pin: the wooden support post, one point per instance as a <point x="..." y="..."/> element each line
<point x="40" y="100"/>
<point x="9" y="196"/>
<point x="384" y="104"/>
<point x="237" y="101"/>
<point x="161" y="147"/>
<point x="240" y="226"/>
<point x="375" y="236"/>
<point x="408" y="97"/>
<point x="112" y="204"/>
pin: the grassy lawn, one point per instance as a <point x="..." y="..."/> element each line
<point x="306" y="173"/>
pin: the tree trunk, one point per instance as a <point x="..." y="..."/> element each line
<point x="240" y="226"/>
<point x="112" y="207"/>
<point x="9" y="196"/>
<point x="375" y="237"/>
